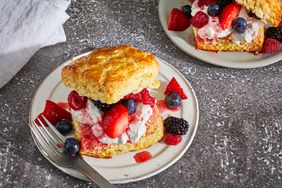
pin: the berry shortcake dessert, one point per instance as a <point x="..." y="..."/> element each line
<point x="112" y="109"/>
<point x="227" y="25"/>
<point x="231" y="25"/>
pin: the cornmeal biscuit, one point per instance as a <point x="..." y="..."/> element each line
<point x="109" y="74"/>
<point x="154" y="132"/>
<point x="226" y="44"/>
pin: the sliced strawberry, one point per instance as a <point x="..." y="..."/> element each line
<point x="143" y="96"/>
<point x="54" y="113"/>
<point x="206" y="2"/>
<point x="41" y="119"/>
<point x="76" y="101"/>
<point x="173" y="86"/>
<point x="116" y="121"/>
<point x="142" y="156"/>
<point x="228" y="14"/>
<point x="63" y="105"/>
<point x="177" y="20"/>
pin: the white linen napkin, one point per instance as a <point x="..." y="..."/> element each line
<point x="25" y="27"/>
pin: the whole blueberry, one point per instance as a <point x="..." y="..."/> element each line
<point x="71" y="146"/>
<point x="173" y="100"/>
<point x="187" y="10"/>
<point x="130" y="104"/>
<point x="251" y="14"/>
<point x="214" y="10"/>
<point x="239" y="25"/>
<point x="64" y="126"/>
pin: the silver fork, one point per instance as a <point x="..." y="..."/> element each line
<point x="51" y="142"/>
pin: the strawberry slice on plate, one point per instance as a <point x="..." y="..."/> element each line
<point x="142" y="156"/>
<point x="116" y="121"/>
<point x="173" y="86"/>
<point x="54" y="113"/>
<point x="177" y="20"/>
<point x="228" y="14"/>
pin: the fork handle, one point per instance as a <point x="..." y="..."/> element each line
<point x="92" y="174"/>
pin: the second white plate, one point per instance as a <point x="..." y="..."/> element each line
<point x="185" y="41"/>
<point x="123" y="168"/>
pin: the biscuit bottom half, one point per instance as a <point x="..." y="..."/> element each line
<point x="226" y="44"/>
<point x="92" y="147"/>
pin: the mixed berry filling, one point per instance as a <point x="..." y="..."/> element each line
<point x="116" y="123"/>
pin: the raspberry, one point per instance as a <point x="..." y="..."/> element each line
<point x="271" y="46"/>
<point x="274" y="33"/>
<point x="206" y="2"/>
<point x="176" y="126"/>
<point x="171" y="139"/>
<point x="142" y="156"/>
<point x="173" y="86"/>
<point x="102" y="106"/>
<point x="200" y="20"/>
<point x="76" y="101"/>
<point x="143" y="96"/>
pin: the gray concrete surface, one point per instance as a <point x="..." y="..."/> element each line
<point x="238" y="143"/>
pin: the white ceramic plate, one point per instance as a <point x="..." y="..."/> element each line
<point x="123" y="168"/>
<point x="185" y="41"/>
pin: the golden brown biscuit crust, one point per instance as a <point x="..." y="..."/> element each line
<point x="108" y="74"/>
<point x="226" y="44"/>
<point x="154" y="132"/>
<point x="270" y="11"/>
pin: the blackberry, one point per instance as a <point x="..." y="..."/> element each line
<point x="224" y="3"/>
<point x="274" y="33"/>
<point x="102" y="106"/>
<point x="176" y="126"/>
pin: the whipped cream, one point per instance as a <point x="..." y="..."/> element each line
<point x="138" y="128"/>
<point x="213" y="30"/>
<point x="107" y="140"/>
<point x="86" y="115"/>
<point x="91" y="116"/>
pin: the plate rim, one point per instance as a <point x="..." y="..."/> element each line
<point x="221" y="63"/>
<point x="142" y="177"/>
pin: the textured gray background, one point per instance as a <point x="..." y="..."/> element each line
<point x="238" y="143"/>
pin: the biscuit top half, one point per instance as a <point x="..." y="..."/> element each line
<point x="108" y="74"/>
<point x="270" y="11"/>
